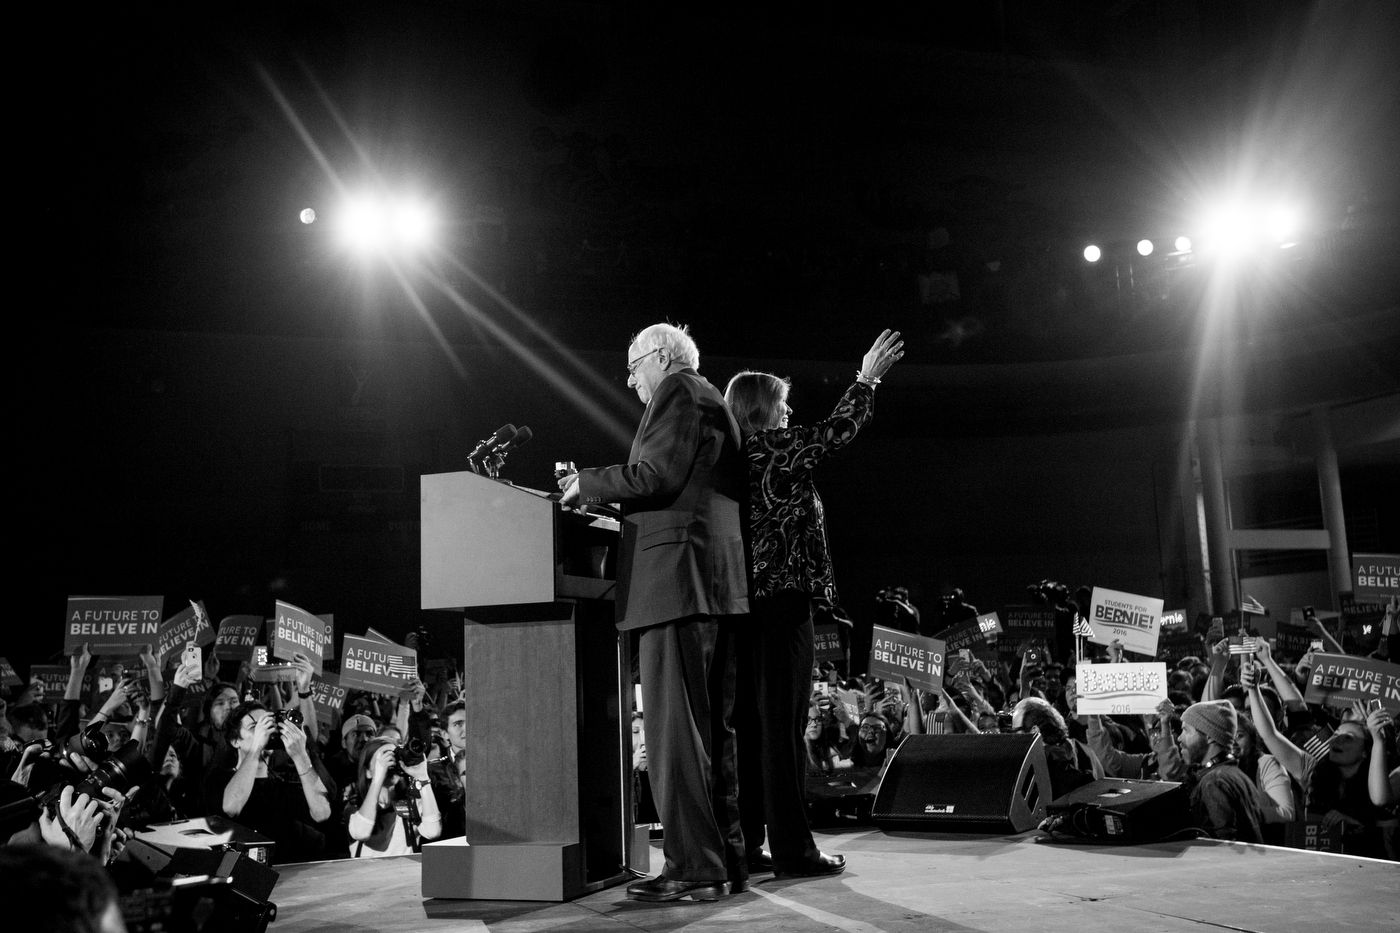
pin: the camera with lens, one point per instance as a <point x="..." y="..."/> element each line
<point x="121" y="770"/>
<point x="409" y="754"/>
<point x="280" y="716"/>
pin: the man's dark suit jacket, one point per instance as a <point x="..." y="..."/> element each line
<point x="682" y="492"/>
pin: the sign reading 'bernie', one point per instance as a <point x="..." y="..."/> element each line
<point x="1120" y="689"/>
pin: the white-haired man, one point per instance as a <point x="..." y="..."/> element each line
<point x="681" y="579"/>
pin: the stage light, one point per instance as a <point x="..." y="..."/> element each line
<point x="1144" y="247"/>
<point x="412" y="223"/>
<point x="1092" y="253"/>
<point x="362" y="224"/>
<point x="1183" y="244"/>
<point x="308" y="216"/>
<point x="1282" y="223"/>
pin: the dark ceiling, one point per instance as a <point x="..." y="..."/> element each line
<point x="785" y="185"/>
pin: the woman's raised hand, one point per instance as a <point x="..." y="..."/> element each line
<point x="883" y="354"/>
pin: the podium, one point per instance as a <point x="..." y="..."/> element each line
<point x="548" y="682"/>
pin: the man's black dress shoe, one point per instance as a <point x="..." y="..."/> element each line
<point x="663" y="889"/>
<point x="760" y="860"/>
<point x="821" y="865"/>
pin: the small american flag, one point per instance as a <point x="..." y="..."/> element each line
<point x="1319" y="745"/>
<point x="1253" y="606"/>
<point x="1081" y="628"/>
<point x="402" y="666"/>
<point x="1246" y="646"/>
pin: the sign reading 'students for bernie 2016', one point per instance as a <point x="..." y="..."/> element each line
<point x="1133" y="620"/>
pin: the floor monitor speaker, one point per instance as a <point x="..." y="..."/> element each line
<point x="964" y="783"/>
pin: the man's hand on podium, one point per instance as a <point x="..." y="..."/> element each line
<point x="568" y="484"/>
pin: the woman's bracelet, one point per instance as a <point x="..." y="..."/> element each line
<point x="871" y="381"/>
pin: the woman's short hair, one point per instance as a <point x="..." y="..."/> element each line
<point x="674" y="340"/>
<point x="756" y="400"/>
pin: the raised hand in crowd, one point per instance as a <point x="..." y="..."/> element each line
<point x="211" y="664"/>
<point x="187" y="673"/>
<point x="305" y="670"/>
<point x="78" y="665"/>
<point x="76" y="823"/>
<point x="1115" y="652"/>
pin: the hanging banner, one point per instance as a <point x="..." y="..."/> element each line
<point x="1375" y="578"/>
<point x="895" y="655"/>
<point x="191" y="624"/>
<point x="1341" y="679"/>
<point x="295" y="631"/>
<point x="827" y="636"/>
<point x="1120" y="689"/>
<point x="375" y="666"/>
<point x="237" y="637"/>
<point x="1127" y="618"/>
<point x="121" y="625"/>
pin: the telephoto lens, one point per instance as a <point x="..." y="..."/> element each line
<point x="122" y="770"/>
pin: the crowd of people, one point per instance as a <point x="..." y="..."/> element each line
<point x="724" y="566"/>
<point x="192" y="745"/>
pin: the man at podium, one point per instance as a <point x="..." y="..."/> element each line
<point x="681" y="578"/>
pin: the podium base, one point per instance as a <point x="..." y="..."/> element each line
<point x="531" y="871"/>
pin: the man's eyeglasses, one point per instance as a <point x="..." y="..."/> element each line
<point x="633" y="364"/>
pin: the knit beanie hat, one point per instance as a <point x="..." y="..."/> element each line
<point x="1215" y="720"/>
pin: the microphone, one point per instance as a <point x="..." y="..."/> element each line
<point x="504" y="435"/>
<point x="522" y="437"/>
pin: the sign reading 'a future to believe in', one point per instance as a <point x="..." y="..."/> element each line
<point x="1340" y="679"/>
<point x="113" y="625"/>
<point x="238" y="635"/>
<point x="1375" y="577"/>
<point x="827" y="637"/>
<point x="295" y="631"/>
<point x="1133" y="620"/>
<point x="191" y="624"/>
<point x="376" y="666"/>
<point x="895" y="655"/>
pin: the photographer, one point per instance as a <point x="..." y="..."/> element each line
<point x="396" y="807"/>
<point x="262" y="794"/>
<point x="449" y="772"/>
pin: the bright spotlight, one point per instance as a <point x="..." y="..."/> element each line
<point x="308" y="216"/>
<point x="1144" y="247"/>
<point x="1282" y="223"/>
<point x="1092" y="253"/>
<point x="412" y="223"/>
<point x="1183" y="244"/>
<point x="362" y="224"/>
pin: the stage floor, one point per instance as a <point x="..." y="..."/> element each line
<point x="909" y="883"/>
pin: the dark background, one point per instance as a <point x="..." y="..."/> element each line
<point x="234" y="407"/>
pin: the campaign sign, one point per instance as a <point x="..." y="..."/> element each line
<point x="54" y="679"/>
<point x="1338" y="679"/>
<point x="1020" y="624"/>
<point x="1375" y="577"/>
<point x="828" y="642"/>
<point x="1292" y="641"/>
<point x="973" y="634"/>
<point x="895" y="655"/>
<point x="1174" y="646"/>
<point x="191" y="624"/>
<point x="1120" y="689"/>
<point x="268" y="673"/>
<point x="1310" y="834"/>
<point x="328" y="646"/>
<point x="124" y="625"/>
<point x="372" y="665"/>
<point x="1125" y="617"/>
<point x="1174" y="621"/>
<point x="1361" y="619"/>
<point x="852" y="702"/>
<point x="328" y="697"/>
<point x="8" y="677"/>
<point x="237" y="637"/>
<point x="296" y="631"/>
